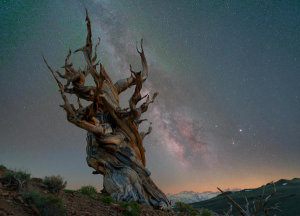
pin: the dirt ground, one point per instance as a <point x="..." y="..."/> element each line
<point x="76" y="204"/>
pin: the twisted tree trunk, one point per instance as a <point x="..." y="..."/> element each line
<point x="125" y="178"/>
<point x="114" y="143"/>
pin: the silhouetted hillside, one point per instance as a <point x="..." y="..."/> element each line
<point x="287" y="196"/>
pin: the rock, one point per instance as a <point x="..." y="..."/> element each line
<point x="2" y="213"/>
<point x="35" y="210"/>
<point x="118" y="207"/>
<point x="19" y="199"/>
<point x="5" y="194"/>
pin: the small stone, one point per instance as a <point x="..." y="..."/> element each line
<point x="35" y="210"/>
<point x="118" y="207"/>
<point x="128" y="208"/>
<point x="121" y="208"/>
<point x="19" y="199"/>
<point x="5" y="194"/>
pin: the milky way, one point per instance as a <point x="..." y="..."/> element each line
<point x="227" y="74"/>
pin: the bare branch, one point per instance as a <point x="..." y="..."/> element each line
<point x="239" y="208"/>
<point x="89" y="43"/>
<point x="87" y="49"/>
<point x="72" y="112"/>
<point x="247" y="206"/>
<point x="60" y="85"/>
<point x="95" y="50"/>
<point x="144" y="107"/>
<point x="67" y="64"/>
<point x="259" y="201"/>
<point x="143" y="134"/>
<point x="266" y="210"/>
<point x="123" y="84"/>
<point x="228" y="213"/>
<point x="275" y="208"/>
<point x="136" y="95"/>
<point x="144" y="62"/>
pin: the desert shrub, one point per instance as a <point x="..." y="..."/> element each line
<point x="51" y="206"/>
<point x="70" y="191"/>
<point x="15" y="179"/>
<point x="132" y="208"/>
<point x="32" y="197"/>
<point x="206" y="212"/>
<point x="2" y="168"/>
<point x="21" y="175"/>
<point x="88" y="190"/>
<point x="185" y="209"/>
<point x="106" y="199"/>
<point x="47" y="206"/>
<point x="54" y="184"/>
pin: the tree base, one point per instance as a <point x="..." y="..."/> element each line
<point x="125" y="178"/>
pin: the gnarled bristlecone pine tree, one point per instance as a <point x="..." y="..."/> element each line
<point x="114" y="142"/>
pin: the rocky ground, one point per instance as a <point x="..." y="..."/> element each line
<point x="13" y="202"/>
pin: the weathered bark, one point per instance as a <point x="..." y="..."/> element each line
<point x="125" y="178"/>
<point x="114" y="143"/>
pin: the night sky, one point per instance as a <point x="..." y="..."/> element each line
<point x="228" y="74"/>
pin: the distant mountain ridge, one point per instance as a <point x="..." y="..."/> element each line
<point x="287" y="196"/>
<point x="191" y="196"/>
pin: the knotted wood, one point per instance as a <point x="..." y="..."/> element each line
<point x="114" y="142"/>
